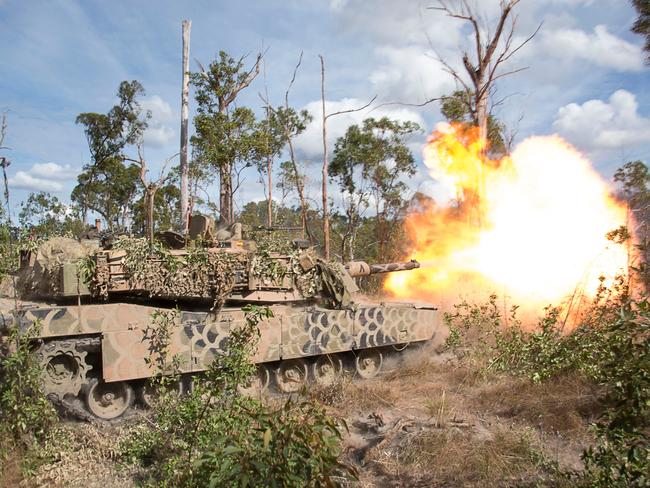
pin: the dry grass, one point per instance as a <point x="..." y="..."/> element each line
<point x="459" y="457"/>
<point x="565" y="405"/>
<point x="10" y="469"/>
<point x="453" y="425"/>
<point x="347" y="396"/>
<point x="83" y="455"/>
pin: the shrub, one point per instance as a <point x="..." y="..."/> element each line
<point x="26" y="416"/>
<point x="610" y="347"/>
<point x="24" y="410"/>
<point x="214" y="436"/>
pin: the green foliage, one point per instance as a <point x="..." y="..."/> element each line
<point x="226" y="139"/>
<point x="458" y="108"/>
<point x="26" y="416"/>
<point x="158" y="334"/>
<point x="369" y="164"/>
<point x="46" y="216"/>
<point x="107" y="185"/>
<point x="166" y="209"/>
<point x="634" y="178"/>
<point x="642" y="24"/>
<point x="622" y="455"/>
<point x="611" y="346"/>
<point x="253" y="216"/>
<point x="214" y="436"/>
<point x="296" y="445"/>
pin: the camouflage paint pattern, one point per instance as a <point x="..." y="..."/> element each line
<point x="292" y="332"/>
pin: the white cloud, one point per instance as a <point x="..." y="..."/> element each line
<point x="161" y="111"/>
<point x="310" y="142"/>
<point x="53" y="171"/>
<point x="600" y="125"/>
<point x="410" y="74"/>
<point x="159" y="133"/>
<point x="24" y="181"/>
<point x="48" y="177"/>
<point x="158" y="136"/>
<point x="600" y="48"/>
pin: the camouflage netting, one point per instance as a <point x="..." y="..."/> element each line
<point x="210" y="274"/>
<point x="199" y="274"/>
<point x="43" y="279"/>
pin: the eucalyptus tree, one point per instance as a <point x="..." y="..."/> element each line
<point x="107" y="184"/>
<point x="370" y="163"/>
<point x="457" y="108"/>
<point x="225" y="133"/>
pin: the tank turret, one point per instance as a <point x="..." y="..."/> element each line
<point x="215" y="265"/>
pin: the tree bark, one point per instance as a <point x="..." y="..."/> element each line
<point x="185" y="95"/>
<point x="300" y="189"/>
<point x="225" y="193"/>
<point x="269" y="209"/>
<point x="326" y="220"/>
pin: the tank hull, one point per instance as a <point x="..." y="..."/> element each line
<point x="197" y="336"/>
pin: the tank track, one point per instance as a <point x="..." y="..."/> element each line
<point x="75" y="407"/>
<point x="67" y="399"/>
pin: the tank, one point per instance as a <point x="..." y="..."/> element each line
<point x="97" y="314"/>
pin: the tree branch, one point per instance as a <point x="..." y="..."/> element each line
<point x="293" y="79"/>
<point x="341" y="112"/>
<point x="250" y="76"/>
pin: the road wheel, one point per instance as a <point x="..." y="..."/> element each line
<point x="291" y="375"/>
<point x="108" y="401"/>
<point x="327" y="369"/>
<point x="368" y="363"/>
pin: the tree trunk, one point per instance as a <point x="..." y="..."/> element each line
<point x="269" y="208"/>
<point x="482" y="111"/>
<point x="481" y="122"/>
<point x="185" y="95"/>
<point x="225" y="193"/>
<point x="300" y="190"/>
<point x="150" y="192"/>
<point x="326" y="220"/>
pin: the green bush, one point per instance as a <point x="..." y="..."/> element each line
<point x="610" y="346"/>
<point x="26" y="416"/>
<point x="25" y="413"/>
<point x="214" y="436"/>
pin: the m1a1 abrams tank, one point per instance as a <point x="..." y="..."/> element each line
<point x="95" y="333"/>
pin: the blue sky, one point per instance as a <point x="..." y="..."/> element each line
<point x="586" y="79"/>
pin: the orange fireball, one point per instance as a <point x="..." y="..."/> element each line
<point x="530" y="226"/>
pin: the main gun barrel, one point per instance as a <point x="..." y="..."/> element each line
<point x="361" y="268"/>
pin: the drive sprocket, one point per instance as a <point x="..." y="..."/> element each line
<point x="65" y="369"/>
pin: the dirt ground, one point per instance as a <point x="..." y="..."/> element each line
<point x="426" y="421"/>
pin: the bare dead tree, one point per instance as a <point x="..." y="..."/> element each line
<point x="4" y="163"/>
<point x="492" y="48"/>
<point x="150" y="188"/>
<point x="326" y="116"/>
<point x="3" y="131"/>
<point x="269" y="158"/>
<point x="490" y="53"/>
<point x="288" y="135"/>
<point x="185" y="95"/>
